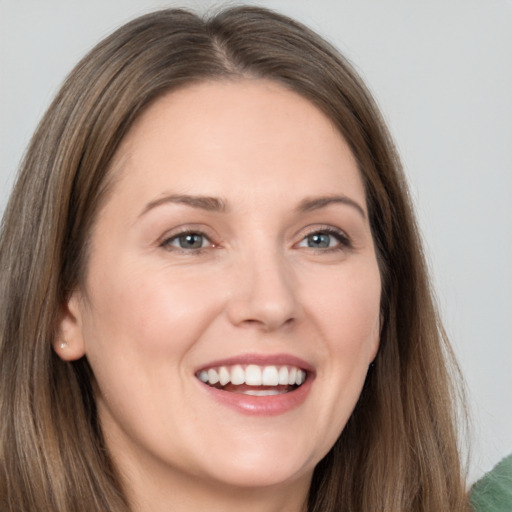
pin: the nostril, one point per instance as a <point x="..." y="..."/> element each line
<point x="268" y="324"/>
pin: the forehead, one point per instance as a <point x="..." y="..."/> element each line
<point x="225" y="134"/>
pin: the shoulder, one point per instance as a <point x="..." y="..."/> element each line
<point x="493" y="492"/>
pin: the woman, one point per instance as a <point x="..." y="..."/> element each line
<point x="214" y="290"/>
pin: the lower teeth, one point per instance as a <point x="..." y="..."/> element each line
<point x="244" y="389"/>
<point x="262" y="392"/>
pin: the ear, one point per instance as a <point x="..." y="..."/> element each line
<point x="69" y="340"/>
<point x="375" y="349"/>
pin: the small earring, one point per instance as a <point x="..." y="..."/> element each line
<point x="63" y="345"/>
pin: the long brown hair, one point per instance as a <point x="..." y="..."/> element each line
<point x="398" y="451"/>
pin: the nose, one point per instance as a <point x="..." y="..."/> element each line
<point x="263" y="292"/>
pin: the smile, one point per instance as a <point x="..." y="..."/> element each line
<point x="254" y="380"/>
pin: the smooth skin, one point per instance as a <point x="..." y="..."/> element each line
<point x="279" y="259"/>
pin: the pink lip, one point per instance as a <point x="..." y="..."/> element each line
<point x="272" y="405"/>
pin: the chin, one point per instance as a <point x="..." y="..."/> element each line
<point x="243" y="477"/>
<point x="263" y="468"/>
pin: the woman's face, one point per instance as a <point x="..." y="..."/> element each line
<point x="234" y="245"/>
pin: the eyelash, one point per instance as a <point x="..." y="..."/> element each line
<point x="344" y="242"/>
<point x="166" y="243"/>
<point x="341" y="237"/>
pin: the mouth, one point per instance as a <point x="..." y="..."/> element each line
<point x="254" y="380"/>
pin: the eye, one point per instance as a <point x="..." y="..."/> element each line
<point x="320" y="240"/>
<point x="325" y="239"/>
<point x="190" y="240"/>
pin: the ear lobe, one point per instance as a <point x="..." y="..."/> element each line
<point x="69" y="341"/>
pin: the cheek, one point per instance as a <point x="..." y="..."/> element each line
<point x="138" y="338"/>
<point x="347" y="311"/>
<point x="345" y="308"/>
<point x="144" y="321"/>
<point x="143" y="314"/>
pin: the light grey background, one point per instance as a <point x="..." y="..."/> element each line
<point x="441" y="71"/>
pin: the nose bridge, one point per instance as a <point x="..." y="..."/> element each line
<point x="264" y="288"/>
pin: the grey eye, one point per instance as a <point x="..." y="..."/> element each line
<point x="189" y="241"/>
<point x="319" y="240"/>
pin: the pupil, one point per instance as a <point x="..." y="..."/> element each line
<point x="191" y="241"/>
<point x="319" y="240"/>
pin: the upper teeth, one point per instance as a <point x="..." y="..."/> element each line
<point x="253" y="375"/>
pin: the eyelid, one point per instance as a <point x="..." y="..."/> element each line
<point x="344" y="240"/>
<point x="173" y="234"/>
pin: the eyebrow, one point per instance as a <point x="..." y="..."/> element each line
<point x="211" y="204"/>
<point x="215" y="204"/>
<point x="315" y="203"/>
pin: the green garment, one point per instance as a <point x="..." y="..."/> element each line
<point x="493" y="492"/>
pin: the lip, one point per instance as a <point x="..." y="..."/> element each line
<point x="272" y="405"/>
